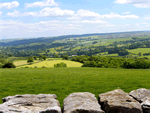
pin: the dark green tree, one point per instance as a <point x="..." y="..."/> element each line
<point x="56" y="56"/>
<point x="30" y="60"/>
<point x="65" y="57"/>
<point x="44" y="57"/>
<point x="35" y="57"/>
<point x="9" y="65"/>
<point x="40" y="57"/>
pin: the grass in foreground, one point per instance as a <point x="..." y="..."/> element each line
<point x="63" y="81"/>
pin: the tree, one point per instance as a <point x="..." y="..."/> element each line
<point x="10" y="55"/>
<point x="56" y="55"/>
<point x="35" y="57"/>
<point x="139" y="54"/>
<point x="40" y="57"/>
<point x="65" y="57"/>
<point x="9" y="65"/>
<point x="62" y="64"/>
<point x="30" y="60"/>
<point x="44" y="57"/>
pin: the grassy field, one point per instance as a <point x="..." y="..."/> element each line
<point x="144" y="56"/>
<point x="63" y="81"/>
<point x="49" y="64"/>
<point x="23" y="62"/>
<point x="110" y="55"/>
<point x="119" y="39"/>
<point x="142" y="50"/>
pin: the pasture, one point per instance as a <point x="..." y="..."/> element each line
<point x="63" y="81"/>
<point x="141" y="50"/>
<point x="22" y="62"/>
<point x="51" y="63"/>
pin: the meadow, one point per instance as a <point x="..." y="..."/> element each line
<point x="51" y="63"/>
<point x="23" y="62"/>
<point x="141" y="50"/>
<point x="63" y="81"/>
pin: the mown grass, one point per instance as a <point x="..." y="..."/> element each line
<point x="51" y="63"/>
<point x="63" y="81"/>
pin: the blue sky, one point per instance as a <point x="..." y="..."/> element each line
<point x="44" y="18"/>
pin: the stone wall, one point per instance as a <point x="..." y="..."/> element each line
<point x="117" y="101"/>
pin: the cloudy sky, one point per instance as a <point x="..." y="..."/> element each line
<point x="38" y="18"/>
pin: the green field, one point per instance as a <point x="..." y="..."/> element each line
<point x="110" y="55"/>
<point x="63" y="81"/>
<point x="142" y="50"/>
<point x="144" y="56"/>
<point x="50" y="64"/>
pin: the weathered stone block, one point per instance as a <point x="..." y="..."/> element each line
<point x="81" y="103"/>
<point x="42" y="103"/>
<point x="118" y="101"/>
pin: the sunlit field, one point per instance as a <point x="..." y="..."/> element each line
<point x="23" y="62"/>
<point x="50" y="64"/>
<point x="141" y="50"/>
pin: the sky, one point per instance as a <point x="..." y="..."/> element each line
<point x="46" y="18"/>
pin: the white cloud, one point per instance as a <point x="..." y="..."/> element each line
<point x="41" y="4"/>
<point x="52" y="12"/>
<point x="115" y="15"/>
<point x="126" y="12"/>
<point x="74" y="18"/>
<point x="1" y="13"/>
<point x="136" y="3"/>
<point x="122" y="1"/>
<point x="13" y="14"/>
<point x="87" y="14"/>
<point x="93" y="22"/>
<point x="131" y="1"/>
<point x="56" y="11"/>
<point x="81" y="14"/>
<point x="30" y="14"/>
<point x="147" y="18"/>
<point x="142" y="5"/>
<point x="9" y="5"/>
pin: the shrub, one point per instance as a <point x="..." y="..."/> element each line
<point x="30" y="60"/>
<point x="44" y="67"/>
<point x="9" y="65"/>
<point x="1" y="65"/>
<point x="44" y="57"/>
<point x="26" y="67"/>
<point x="3" y="61"/>
<point x="35" y="57"/>
<point x="62" y="64"/>
<point x="65" y="57"/>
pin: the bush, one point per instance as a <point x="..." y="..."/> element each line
<point x="1" y="65"/>
<point x="65" y="57"/>
<point x="26" y="67"/>
<point x="9" y="65"/>
<point x="44" y="67"/>
<point x="30" y="60"/>
<point x="3" y="61"/>
<point x="62" y="64"/>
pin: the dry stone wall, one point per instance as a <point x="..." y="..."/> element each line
<point x="116" y="101"/>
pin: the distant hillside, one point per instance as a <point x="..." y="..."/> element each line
<point x="17" y="42"/>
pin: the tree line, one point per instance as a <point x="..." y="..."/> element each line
<point x="110" y="62"/>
